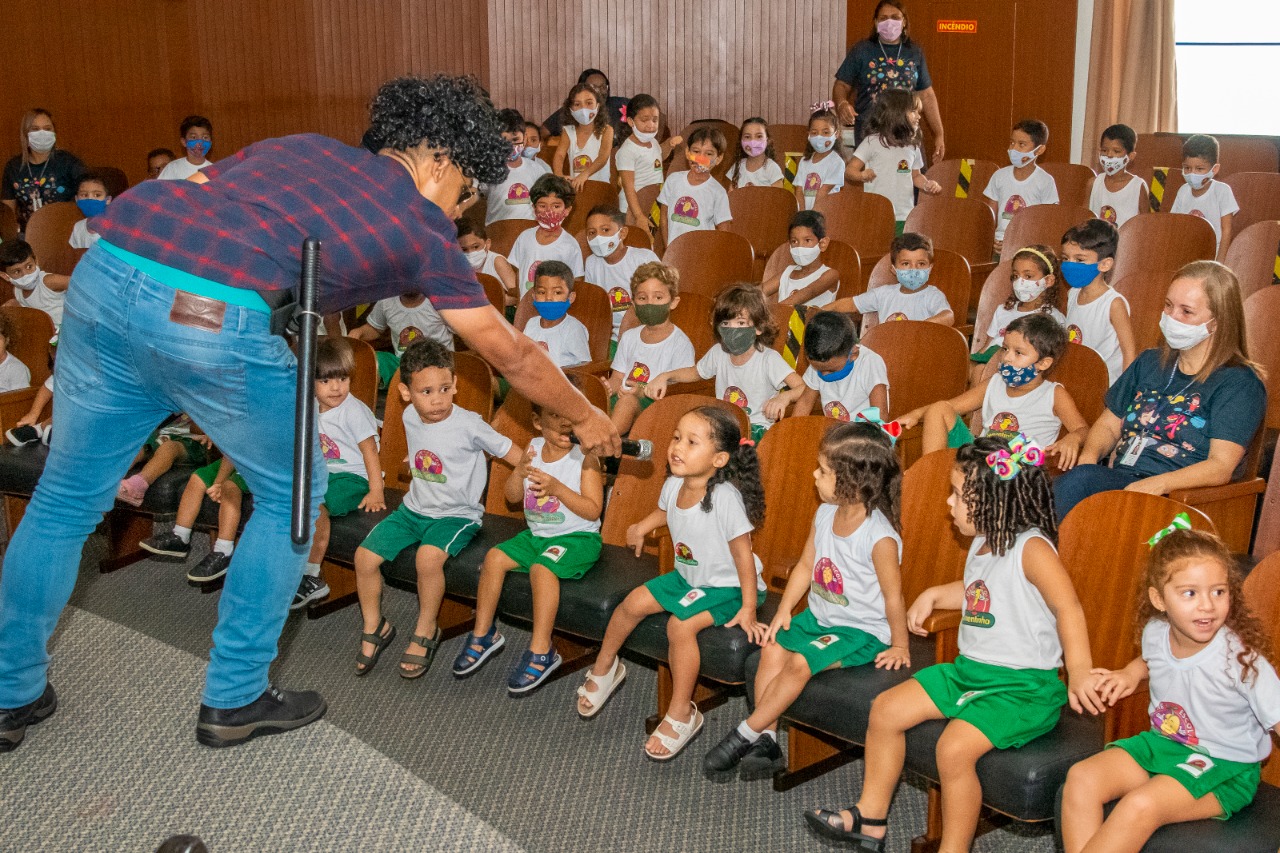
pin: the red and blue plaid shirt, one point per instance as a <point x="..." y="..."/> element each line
<point x="245" y="227"/>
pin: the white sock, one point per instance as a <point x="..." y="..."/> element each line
<point x="312" y="570"/>
<point x="183" y="533"/>
<point x="224" y="546"/>
<point x="773" y="733"/>
<point x="750" y="734"/>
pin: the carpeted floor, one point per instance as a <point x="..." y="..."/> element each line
<point x="433" y="764"/>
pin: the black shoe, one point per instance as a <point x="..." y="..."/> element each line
<point x="167" y="546"/>
<point x="213" y="566"/>
<point x="273" y="712"/>
<point x="309" y="590"/>
<point x="720" y="764"/>
<point x="14" y="721"/>
<point x="23" y="435"/>
<point x="762" y="761"/>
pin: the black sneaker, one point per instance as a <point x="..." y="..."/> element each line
<point x="213" y="566"/>
<point x="309" y="590"/>
<point x="273" y="712"/>
<point x="14" y="721"/>
<point x="720" y="764"/>
<point x="167" y="546"/>
<point x="764" y="759"/>
<point x="23" y="435"/>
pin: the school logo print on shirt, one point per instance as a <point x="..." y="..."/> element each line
<point x="836" y="409"/>
<point x="1074" y="335"/>
<point x="1013" y="205"/>
<point x="812" y="183"/>
<point x="542" y="510"/>
<point x="977" y="606"/>
<point x="408" y="335"/>
<point x="734" y="394"/>
<point x="639" y="374"/>
<point x="828" y="583"/>
<point x="580" y="163"/>
<point x="1108" y="213"/>
<point x="686" y="211"/>
<point x="619" y="299"/>
<point x="1004" y="425"/>
<point x="518" y="194"/>
<point x="684" y="555"/>
<point x="1170" y="720"/>
<point x="903" y="168"/>
<point x="329" y="448"/>
<point x="427" y="466"/>
<point x="896" y="315"/>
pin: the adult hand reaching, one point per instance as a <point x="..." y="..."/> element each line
<point x="598" y="435"/>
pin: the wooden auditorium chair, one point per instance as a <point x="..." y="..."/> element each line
<point x="965" y="226"/>
<point x="840" y="256"/>
<point x="762" y="215"/>
<point x="493" y="291"/>
<point x="1258" y="194"/>
<point x="590" y="307"/>
<point x="679" y="158"/>
<point x="951" y="275"/>
<point x="1041" y="223"/>
<point x="503" y="234"/>
<point x="1162" y="243"/>
<point x="49" y="233"/>
<point x="8" y="223"/>
<point x="593" y="193"/>
<point x="1247" y="154"/>
<point x="863" y="220"/>
<point x="960" y="178"/>
<point x="1254" y="256"/>
<point x="1073" y="181"/>
<point x="709" y="261"/>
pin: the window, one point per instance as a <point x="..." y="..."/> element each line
<point x="1228" y="58"/>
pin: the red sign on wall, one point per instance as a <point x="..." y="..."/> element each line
<point x="961" y="27"/>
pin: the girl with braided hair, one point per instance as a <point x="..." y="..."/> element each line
<point x="1021" y="619"/>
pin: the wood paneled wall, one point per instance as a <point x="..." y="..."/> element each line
<point x="726" y="59"/>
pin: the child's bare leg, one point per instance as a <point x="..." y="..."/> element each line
<point x="369" y="593"/>
<point x="546" y="602"/>
<point x="430" y="565"/>
<point x="192" y="499"/>
<point x="789" y="674"/>
<point x="1159" y="801"/>
<point x="320" y="539"/>
<point x="958" y="751"/>
<point x="635" y="607"/>
<point x="492" y="576"/>
<point x="1091" y="784"/>
<point x="164" y="458"/>
<point x="625" y="412"/>
<point x="229" y="512"/>
<point x="685" y="660"/>
<point x="938" y="421"/>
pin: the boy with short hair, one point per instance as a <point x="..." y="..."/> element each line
<point x="844" y="374"/>
<point x="92" y="199"/>
<point x="511" y="198"/>
<point x="32" y="286"/>
<point x="442" y="511"/>
<point x="612" y="261"/>
<point x="157" y="159"/>
<point x="1118" y="195"/>
<point x="553" y="198"/>
<point x="410" y="317"/>
<point x="1201" y="195"/>
<point x="1022" y="183"/>
<point x="913" y="298"/>
<point x="196" y="134"/>
<point x="563" y="337"/>
<point x="1097" y="315"/>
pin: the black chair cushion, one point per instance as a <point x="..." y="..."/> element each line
<point x="21" y="467"/>
<point x="348" y="531"/>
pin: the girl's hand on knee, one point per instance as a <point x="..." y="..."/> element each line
<point x="745" y="619"/>
<point x="373" y="503"/>
<point x="781" y="622"/>
<point x="894" y="657"/>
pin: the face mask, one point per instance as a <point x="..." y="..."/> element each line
<point x="550" y="220"/>
<point x="913" y="279"/>
<point x="1027" y="290"/>
<point x="603" y="247"/>
<point x="1020" y="158"/>
<point x="701" y="162"/>
<point x="584" y="116"/>
<point x="805" y="255"/>
<point x="531" y="151"/>
<point x="646" y="138"/>
<point x="1113" y="165"/>
<point x="737" y="339"/>
<point x="889" y="29"/>
<point x="1182" y="336"/>
<point x="754" y="147"/>
<point x="41" y="140"/>
<point x="653" y="314"/>
<point x="837" y="375"/>
<point x="821" y="144"/>
<point x="476" y="258"/>
<point x="551" y="310"/>
<point x="1197" y="182"/>
<point x="92" y="206"/>
<point x="1077" y="274"/>
<point x="516" y="150"/>
<point x="1016" y="377"/>
<point x="198" y="147"/>
<point x="28" y="281"/>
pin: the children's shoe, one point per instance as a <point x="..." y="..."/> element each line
<point x="477" y="650"/>
<point x="23" y="435"/>
<point x="526" y="676"/>
<point x="720" y="764"/>
<point x="45" y="434"/>
<point x="762" y="761"/>
<point x="133" y="490"/>
<point x="213" y="566"/>
<point x="309" y="589"/>
<point x="168" y="547"/>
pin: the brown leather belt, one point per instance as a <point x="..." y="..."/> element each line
<point x="198" y="312"/>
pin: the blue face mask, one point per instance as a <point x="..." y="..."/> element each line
<point x="837" y="375"/>
<point x="198" y="147"/>
<point x="551" y="310"/>
<point x="92" y="206"/>
<point x="913" y="279"/>
<point x="1016" y="377"/>
<point x="1077" y="274"/>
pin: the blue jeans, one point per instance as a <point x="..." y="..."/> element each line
<point x="1084" y="481"/>
<point x="122" y="367"/>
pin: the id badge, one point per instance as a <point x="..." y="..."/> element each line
<point x="1137" y="445"/>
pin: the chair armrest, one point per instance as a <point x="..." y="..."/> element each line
<point x="601" y="368"/>
<point x="942" y="624"/>
<point x="1209" y="494"/>
<point x="14" y="405"/>
<point x="666" y="549"/>
<point x="942" y="620"/>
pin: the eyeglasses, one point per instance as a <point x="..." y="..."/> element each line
<point x="468" y="193"/>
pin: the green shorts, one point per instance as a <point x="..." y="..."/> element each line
<point x="510" y="313"/>
<point x="644" y="400"/>
<point x="986" y="355"/>
<point x="757" y="432"/>
<point x="1233" y="783"/>
<point x="209" y="473"/>
<point x="613" y="348"/>
<point x="196" y="453"/>
<point x="682" y="601"/>
<point x="405" y="528"/>
<point x="388" y="364"/>
<point x="344" y="493"/>
<point x="899" y="226"/>
<point x="1012" y="707"/>
<point x="568" y="557"/>
<point x="960" y="434"/>
<point x="824" y="648"/>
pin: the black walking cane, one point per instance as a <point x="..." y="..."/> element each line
<point x="304" y="406"/>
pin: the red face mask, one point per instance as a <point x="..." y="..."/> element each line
<point x="550" y="219"/>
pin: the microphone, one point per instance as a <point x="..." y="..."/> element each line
<point x="640" y="448"/>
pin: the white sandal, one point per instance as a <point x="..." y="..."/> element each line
<point x="605" y="684"/>
<point x="685" y="732"/>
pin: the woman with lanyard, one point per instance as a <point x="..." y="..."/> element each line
<point x="1183" y="414"/>
<point x="886" y="59"/>
<point x="171" y="311"/>
<point x="42" y="173"/>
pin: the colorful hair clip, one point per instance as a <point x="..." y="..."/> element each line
<point x="748" y="442"/>
<point x="871" y="415"/>
<point x="822" y="105"/>
<point x="1181" y="521"/>
<point x="1022" y="452"/>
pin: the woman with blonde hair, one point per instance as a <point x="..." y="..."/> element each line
<point x="42" y="173"/>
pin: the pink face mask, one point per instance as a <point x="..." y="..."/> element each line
<point x="550" y="219"/>
<point x="754" y="147"/>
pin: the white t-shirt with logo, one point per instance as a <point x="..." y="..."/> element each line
<point x="527" y="253"/>
<point x="789" y="284"/>
<point x="1217" y="202"/>
<point x="342" y="428"/>
<point x="845" y="397"/>
<point x="409" y="324"/>
<point x="644" y="162"/>
<point x="14" y="374"/>
<point x="1091" y="325"/>
<point x="891" y="302"/>
<point x="181" y="169"/>
<point x="1012" y="195"/>
<point x="447" y="463"/>
<point x="811" y="176"/>
<point x="766" y="176"/>
<point x="845" y="590"/>
<point x="580" y="159"/>
<point x="510" y="199"/>
<point x="702" y="539"/>
<point x="638" y="362"/>
<point x="546" y="516"/>
<point x="1003" y="316"/>
<point x="1031" y="414"/>
<point x="567" y="342"/>
<point x="893" y="165"/>
<point x="1006" y="621"/>
<point x="615" y="279"/>
<point x="39" y="295"/>
<point x="1116" y="207"/>
<point x="691" y="208"/>
<point x="748" y="386"/>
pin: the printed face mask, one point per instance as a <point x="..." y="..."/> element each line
<point x="754" y="147"/>
<point x="821" y="144"/>
<point x="41" y="140"/>
<point x="551" y="310"/>
<point x="476" y="258"/>
<point x="805" y="255"/>
<point x="1113" y="165"/>
<point x="198" y="147"/>
<point x="92" y="206"/>
<point x="653" y="314"/>
<point x="913" y="279"/>
<point x="737" y="339"/>
<point x="837" y="375"/>
<point x="584" y="116"/>
<point x="550" y="219"/>
<point x="701" y="162"/>
<point x="1016" y="377"/>
<point x="28" y="281"/>
<point x="1077" y="274"/>
<point x="531" y="151"/>
<point x="602" y="246"/>
<point x="1182" y="336"/>
<point x="1020" y="158"/>
<point x="1026" y="290"/>
<point x="646" y="138"/>
<point x="889" y="29"/>
<point x="1197" y="181"/>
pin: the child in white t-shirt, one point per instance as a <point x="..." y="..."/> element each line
<point x="92" y="198"/>
<point x="1097" y="315"/>
<point x="533" y="145"/>
<point x="755" y="163"/>
<point x="1201" y="195"/>
<point x="196" y="134"/>
<point x="473" y="240"/>
<point x="1022" y="183"/>
<point x="1117" y="194"/>
<point x="32" y="286"/>
<point x="845" y="376"/>
<point x="409" y="317"/>
<point x="510" y="199"/>
<point x="639" y="158"/>
<point x="13" y="373"/>
<point x="821" y="171"/>
<point x="888" y="160"/>
<point x="563" y="337"/>
<point x="587" y="139"/>
<point x="553" y="198"/>
<point x="808" y="281"/>
<point x="913" y="298"/>
<point x="694" y="200"/>
<point x="612" y="262"/>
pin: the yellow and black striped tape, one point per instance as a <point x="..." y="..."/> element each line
<point x="795" y="337"/>
<point x="791" y="162"/>
<point x="965" y="180"/>
<point x="1159" y="179"/>
<point x="1275" y="268"/>
<point x="655" y="215"/>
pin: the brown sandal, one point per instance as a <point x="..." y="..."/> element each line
<point x="365" y="663"/>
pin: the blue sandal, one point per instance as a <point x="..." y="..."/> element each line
<point x="477" y="650"/>
<point x="526" y="676"/>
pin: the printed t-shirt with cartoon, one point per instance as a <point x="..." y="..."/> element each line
<point x="811" y="176"/>
<point x="890" y="302"/>
<point x="1012" y="195"/>
<point x="845" y="590"/>
<point x="1217" y="202"/>
<point x="1003" y="316"/>
<point x="409" y="324"/>
<point x="448" y="465"/>
<point x="893" y="165"/>
<point x="615" y="279"/>
<point x="645" y="164"/>
<point x="510" y="199"/>
<point x="1006" y="621"/>
<point x="527" y="253"/>
<point x="691" y="208"/>
<point x="342" y="428"/>
<point x="766" y="176"/>
<point x="748" y="386"/>
<point x="702" y="539"/>
<point x="547" y="517"/>
<point x="1091" y="325"/>
<point x="845" y="397"/>
<point x="1116" y="207"/>
<point x="566" y="343"/>
<point x="871" y="66"/>
<point x="638" y="362"/>
<point x="40" y="296"/>
<point x="1004" y="415"/>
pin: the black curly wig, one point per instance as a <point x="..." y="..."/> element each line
<point x="451" y="114"/>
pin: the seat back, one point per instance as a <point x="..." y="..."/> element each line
<point x="648" y="198"/>
<point x="1162" y="243"/>
<point x="762" y="215"/>
<point x="789" y="341"/>
<point x="593" y="193"/>
<point x="1254" y="256"/>
<point x="1145" y="292"/>
<point x="1247" y="154"/>
<point x="693" y="317"/>
<point x="32" y="330"/>
<point x="514" y="419"/>
<point x="840" y="256"/>
<point x="591" y="386"/>
<point x="1258" y="194"/>
<point x="1261" y="311"/>
<point x="863" y="220"/>
<point x="1042" y="223"/>
<point x="493" y="291"/>
<point x="996" y="290"/>
<point x="8" y="223"/>
<point x="788" y="456"/>
<point x="503" y="234"/>
<point x="1073" y="180"/>
<point x="709" y="261"/>
<point x="1262" y="594"/>
<point x="1163" y="183"/>
<point x="951" y="275"/>
<point x="49" y="233"/>
<point x="963" y="178"/>
<point x="474" y="381"/>
<point x="933" y="551"/>
<point x="115" y="179"/>
<point x="1084" y="374"/>
<point x="364" y="379"/>
<point x="965" y="226"/>
<point x="590" y="307"/>
<point x="1157" y="150"/>
<point x="788" y="139"/>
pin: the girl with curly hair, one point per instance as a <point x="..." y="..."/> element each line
<point x="1021" y="619"/>
<point x="1214" y="698"/>
<point x="587" y="139"/>
<point x="856" y="615"/>
<point x="711" y="502"/>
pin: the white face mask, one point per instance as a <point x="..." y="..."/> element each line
<point x="1113" y="165"/>
<point x="805" y="255"/>
<point x="41" y="140"/>
<point x="1020" y="158"/>
<point x="1182" y="336"/>
<point x="603" y="247"/>
<point x="1197" y="181"/>
<point x="28" y="281"/>
<point x="1027" y="290"/>
<point x="646" y="138"/>
<point x="476" y="258"/>
<point x="584" y="116"/>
